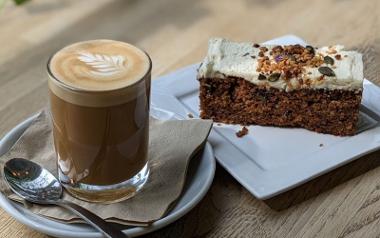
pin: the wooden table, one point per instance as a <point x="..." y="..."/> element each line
<point x="343" y="203"/>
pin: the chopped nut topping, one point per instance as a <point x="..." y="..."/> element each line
<point x="288" y="61"/>
<point x="307" y="82"/>
<point x="256" y="45"/>
<point x="277" y="49"/>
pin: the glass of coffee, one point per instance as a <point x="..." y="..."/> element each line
<point x="99" y="99"/>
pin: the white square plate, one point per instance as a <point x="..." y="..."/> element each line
<point x="271" y="160"/>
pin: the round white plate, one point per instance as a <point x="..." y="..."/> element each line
<point x="199" y="178"/>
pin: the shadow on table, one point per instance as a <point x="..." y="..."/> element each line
<point x="324" y="182"/>
<point x="228" y="203"/>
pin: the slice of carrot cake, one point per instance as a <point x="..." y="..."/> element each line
<point x="319" y="89"/>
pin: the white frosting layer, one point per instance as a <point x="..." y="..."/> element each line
<point x="226" y="58"/>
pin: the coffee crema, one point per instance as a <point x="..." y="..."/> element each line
<point x="109" y="72"/>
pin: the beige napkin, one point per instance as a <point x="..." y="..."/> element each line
<point x="172" y="144"/>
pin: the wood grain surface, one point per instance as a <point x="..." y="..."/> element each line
<point x="343" y="203"/>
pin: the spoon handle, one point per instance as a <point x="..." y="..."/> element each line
<point x="101" y="225"/>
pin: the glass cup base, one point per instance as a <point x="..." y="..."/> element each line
<point x="109" y="193"/>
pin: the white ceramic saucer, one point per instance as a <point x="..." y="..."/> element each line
<point x="200" y="175"/>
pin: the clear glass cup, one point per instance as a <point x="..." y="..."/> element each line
<point x="101" y="138"/>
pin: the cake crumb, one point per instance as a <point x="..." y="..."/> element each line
<point x="189" y="115"/>
<point x="321" y="145"/>
<point x="242" y="132"/>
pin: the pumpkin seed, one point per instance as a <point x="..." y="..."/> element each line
<point x="328" y="60"/>
<point x="326" y="71"/>
<point x="274" y="77"/>
<point x="262" y="77"/>
<point x="310" y="49"/>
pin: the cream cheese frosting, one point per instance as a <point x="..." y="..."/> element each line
<point x="225" y="58"/>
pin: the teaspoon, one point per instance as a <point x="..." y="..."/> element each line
<point x="37" y="185"/>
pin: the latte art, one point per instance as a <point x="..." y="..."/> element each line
<point x="99" y="65"/>
<point x="103" y="65"/>
<point x="99" y="73"/>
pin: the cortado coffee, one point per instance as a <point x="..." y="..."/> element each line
<point x="99" y="99"/>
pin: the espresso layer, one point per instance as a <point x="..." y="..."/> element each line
<point x="100" y="145"/>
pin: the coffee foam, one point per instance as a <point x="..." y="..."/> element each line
<point x="99" y="72"/>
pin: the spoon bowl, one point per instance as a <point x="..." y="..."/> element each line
<point x="31" y="181"/>
<point x="35" y="184"/>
